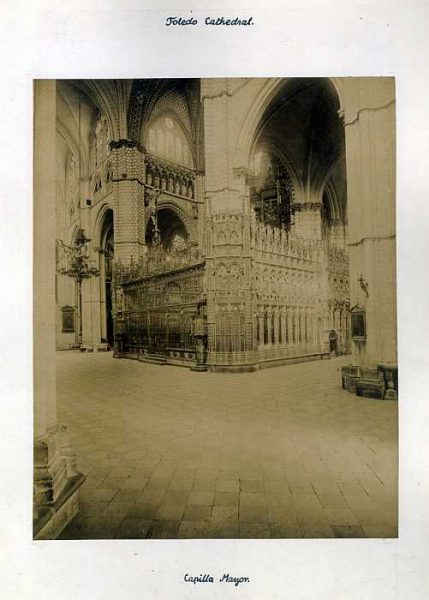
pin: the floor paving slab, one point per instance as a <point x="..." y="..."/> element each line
<point x="283" y="452"/>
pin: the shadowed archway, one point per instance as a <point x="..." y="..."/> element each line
<point x="106" y="262"/>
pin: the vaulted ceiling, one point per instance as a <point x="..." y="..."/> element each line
<point x="129" y="103"/>
<point x="184" y="99"/>
<point x="303" y="126"/>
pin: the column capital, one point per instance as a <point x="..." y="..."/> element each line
<point x="125" y="143"/>
<point x="242" y="171"/>
<point x="342" y="116"/>
<point x="128" y="161"/>
<point x="364" y="95"/>
<point x="306" y="206"/>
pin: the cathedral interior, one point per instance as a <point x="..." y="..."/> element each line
<point x="220" y="225"/>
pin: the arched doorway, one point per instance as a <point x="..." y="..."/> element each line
<point x="106" y="263"/>
<point x="173" y="232"/>
<point x="299" y="146"/>
<point x="298" y="184"/>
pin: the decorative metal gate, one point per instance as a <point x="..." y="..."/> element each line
<point x="160" y="331"/>
<point x="159" y="314"/>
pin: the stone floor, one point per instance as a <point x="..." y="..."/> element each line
<point x="280" y="453"/>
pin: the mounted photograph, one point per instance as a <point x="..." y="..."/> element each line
<point x="215" y="333"/>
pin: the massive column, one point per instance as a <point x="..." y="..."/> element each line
<point x="369" y="121"/>
<point x="129" y="217"/>
<point x="56" y="483"/>
<point x="91" y="323"/>
<point x="129" y="200"/>
<point x="307" y="211"/>
<point x="307" y="220"/>
<point x="228" y="222"/>
<point x="222" y="189"/>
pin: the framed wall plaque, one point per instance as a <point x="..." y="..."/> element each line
<point x="358" y="325"/>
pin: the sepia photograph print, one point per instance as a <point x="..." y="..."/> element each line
<point x="215" y="347"/>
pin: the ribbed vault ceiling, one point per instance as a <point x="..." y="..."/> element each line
<point x="303" y="125"/>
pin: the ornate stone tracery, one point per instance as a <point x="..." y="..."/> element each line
<point x="102" y="168"/>
<point x="169" y="177"/>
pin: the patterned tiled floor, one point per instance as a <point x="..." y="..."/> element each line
<point x="280" y="453"/>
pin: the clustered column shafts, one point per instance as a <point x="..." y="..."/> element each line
<point x="56" y="482"/>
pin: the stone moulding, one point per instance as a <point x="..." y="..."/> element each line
<point x="56" y="484"/>
<point x="125" y="143"/>
<point x="379" y="383"/>
<point x="53" y="520"/>
<point x="264" y="363"/>
<point x="350" y="375"/>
